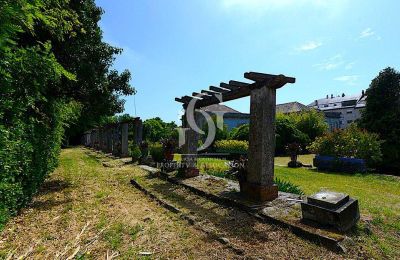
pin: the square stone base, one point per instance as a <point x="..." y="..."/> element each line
<point x="259" y="193"/>
<point x="343" y="218"/>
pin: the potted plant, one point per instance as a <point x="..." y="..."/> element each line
<point x="168" y="149"/>
<point x="238" y="168"/>
<point x="293" y="149"/>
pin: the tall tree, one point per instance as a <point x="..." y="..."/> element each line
<point x="97" y="87"/>
<point x="382" y="115"/>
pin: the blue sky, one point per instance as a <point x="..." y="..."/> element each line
<point x="176" y="47"/>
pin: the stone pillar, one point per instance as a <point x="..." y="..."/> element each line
<point x="259" y="183"/>
<point x="116" y="141"/>
<point x="138" y="131"/>
<point x="109" y="142"/>
<point x="124" y="140"/>
<point x="189" y="156"/>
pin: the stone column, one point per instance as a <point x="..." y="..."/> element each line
<point x="116" y="141"/>
<point x="189" y="156"/>
<point x="259" y="183"/>
<point x="124" y="140"/>
<point x="109" y="142"/>
<point x="138" y="131"/>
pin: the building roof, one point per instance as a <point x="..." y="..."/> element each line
<point x="331" y="102"/>
<point x="290" y="107"/>
<point x="219" y="108"/>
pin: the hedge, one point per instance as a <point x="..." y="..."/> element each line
<point x="231" y="146"/>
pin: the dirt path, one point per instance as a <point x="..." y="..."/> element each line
<point x="89" y="210"/>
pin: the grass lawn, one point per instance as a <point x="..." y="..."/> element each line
<point x="378" y="195"/>
<point x="86" y="210"/>
<point x="304" y="158"/>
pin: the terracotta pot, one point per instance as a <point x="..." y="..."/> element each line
<point x="169" y="156"/>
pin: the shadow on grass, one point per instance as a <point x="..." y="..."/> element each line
<point x="52" y="186"/>
<point x="231" y="222"/>
<point x="49" y="204"/>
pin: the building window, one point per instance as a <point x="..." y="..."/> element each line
<point x="326" y="105"/>
<point x="349" y="111"/>
<point x="349" y="121"/>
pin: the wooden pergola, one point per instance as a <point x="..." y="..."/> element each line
<point x="235" y="89"/>
<point x="259" y="184"/>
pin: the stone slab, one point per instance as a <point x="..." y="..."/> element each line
<point x="328" y="199"/>
<point x="343" y="218"/>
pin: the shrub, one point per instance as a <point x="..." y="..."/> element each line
<point x="157" y="152"/>
<point x="351" y="142"/>
<point x="286" y="132"/>
<point x="286" y="186"/>
<point x="311" y="122"/>
<point x="240" y="133"/>
<point x="155" y="129"/>
<point x="135" y="152"/>
<point x="231" y="146"/>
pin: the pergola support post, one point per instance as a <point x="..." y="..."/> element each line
<point x="259" y="184"/>
<point x="124" y="140"/>
<point x="189" y="157"/>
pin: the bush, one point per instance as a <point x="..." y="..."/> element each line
<point x="135" y="152"/>
<point x="231" y="146"/>
<point x="287" y="132"/>
<point x="310" y="122"/>
<point x="240" y="133"/>
<point x="352" y="143"/>
<point x="157" y="152"/>
<point x="286" y="186"/>
<point x="155" y="129"/>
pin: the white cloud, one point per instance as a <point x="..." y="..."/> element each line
<point x="367" y="33"/>
<point x="349" y="79"/>
<point x="312" y="45"/>
<point x="331" y="63"/>
<point x="350" y="65"/>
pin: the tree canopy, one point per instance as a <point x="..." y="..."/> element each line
<point x="382" y="115"/>
<point x="55" y="74"/>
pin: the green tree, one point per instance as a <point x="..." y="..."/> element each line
<point x="382" y="115"/>
<point x="311" y="122"/>
<point x="287" y="132"/>
<point x="155" y="129"/>
<point x="240" y="133"/>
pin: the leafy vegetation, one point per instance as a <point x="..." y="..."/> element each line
<point x="351" y="142"/>
<point x="231" y="146"/>
<point x="240" y="133"/>
<point x="301" y="128"/>
<point x="54" y="75"/>
<point x="382" y="115"/>
<point x="155" y="129"/>
<point x="287" y="186"/>
<point x="157" y="152"/>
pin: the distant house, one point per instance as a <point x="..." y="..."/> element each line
<point x="233" y="118"/>
<point x="291" y="107"/>
<point x="342" y="110"/>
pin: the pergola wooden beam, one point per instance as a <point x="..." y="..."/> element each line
<point x="220" y="90"/>
<point x="236" y="89"/>
<point x="260" y="77"/>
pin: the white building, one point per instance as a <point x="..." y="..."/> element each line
<point x="342" y="110"/>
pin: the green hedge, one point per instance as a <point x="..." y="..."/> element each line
<point x="231" y="146"/>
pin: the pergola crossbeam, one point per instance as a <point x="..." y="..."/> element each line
<point x="235" y="89"/>
<point x="220" y="90"/>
